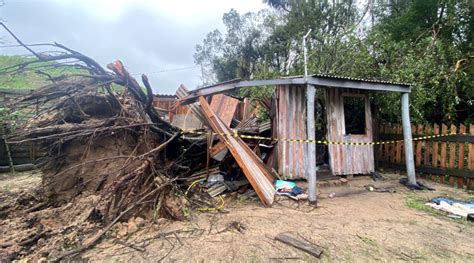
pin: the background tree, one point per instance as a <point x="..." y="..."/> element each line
<point x="425" y="42"/>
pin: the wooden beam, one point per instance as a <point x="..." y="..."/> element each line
<point x="306" y="246"/>
<point x="252" y="166"/>
<point x="433" y="170"/>
<point x="408" y="143"/>
<point x="449" y="138"/>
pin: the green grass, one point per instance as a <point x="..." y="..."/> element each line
<point x="28" y="79"/>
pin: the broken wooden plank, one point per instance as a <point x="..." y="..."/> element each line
<point x="254" y="169"/>
<point x="305" y="246"/>
<point x="218" y="151"/>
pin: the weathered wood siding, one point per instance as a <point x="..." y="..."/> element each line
<point x="290" y="122"/>
<point x="347" y="159"/>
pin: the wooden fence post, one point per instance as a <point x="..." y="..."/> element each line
<point x="462" y="129"/>
<point x="444" y="145"/>
<point x="470" y="158"/>
<point x="426" y="159"/>
<point x="452" y="148"/>
<point x="470" y="165"/>
<point x="435" y="156"/>
<point x="386" y="149"/>
<point x="419" y="144"/>
<point x="398" y="156"/>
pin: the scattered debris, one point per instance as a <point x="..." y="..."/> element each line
<point x="234" y="225"/>
<point x="303" y="245"/>
<point x="376" y="176"/>
<point x="418" y="186"/>
<point x="455" y="207"/>
<point x="252" y="166"/>
<point x="373" y="188"/>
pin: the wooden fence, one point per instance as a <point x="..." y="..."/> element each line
<point x="444" y="159"/>
<point x="20" y="153"/>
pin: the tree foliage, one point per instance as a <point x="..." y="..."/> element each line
<point x="425" y="42"/>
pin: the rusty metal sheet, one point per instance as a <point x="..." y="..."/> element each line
<point x="290" y="122"/>
<point x="224" y="106"/>
<point x="189" y="116"/>
<point x="180" y="116"/>
<point x="183" y="92"/>
<point x="347" y="159"/>
<point x="252" y="166"/>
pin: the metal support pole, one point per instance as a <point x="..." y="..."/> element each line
<point x="305" y="51"/>
<point x="310" y="121"/>
<point x="408" y="143"/>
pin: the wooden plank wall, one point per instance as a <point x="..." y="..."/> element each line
<point x="448" y="160"/>
<point x="290" y="122"/>
<point x="347" y="159"/>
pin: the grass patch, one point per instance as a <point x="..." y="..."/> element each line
<point x="28" y="79"/>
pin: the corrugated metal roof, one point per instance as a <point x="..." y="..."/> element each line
<point x="360" y="79"/>
<point x="165" y="96"/>
<point x="328" y="76"/>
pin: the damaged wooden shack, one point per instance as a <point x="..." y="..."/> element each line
<point x="343" y="145"/>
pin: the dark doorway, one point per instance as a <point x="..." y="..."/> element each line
<point x="354" y="115"/>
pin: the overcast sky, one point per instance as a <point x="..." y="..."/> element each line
<point x="148" y="36"/>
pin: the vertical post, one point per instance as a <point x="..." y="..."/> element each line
<point x="311" y="169"/>
<point x="208" y="160"/>
<point x="410" y="163"/>
<point x="305" y="51"/>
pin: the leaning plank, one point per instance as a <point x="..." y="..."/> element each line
<point x="258" y="176"/>
<point x="306" y="246"/>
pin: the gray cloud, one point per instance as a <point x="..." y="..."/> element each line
<point x="145" y="39"/>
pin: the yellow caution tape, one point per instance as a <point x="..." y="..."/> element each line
<point x="235" y="134"/>
<point x="206" y="209"/>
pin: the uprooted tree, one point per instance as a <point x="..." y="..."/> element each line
<point x="103" y="138"/>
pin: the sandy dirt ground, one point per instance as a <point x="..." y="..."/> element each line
<point x="354" y="226"/>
